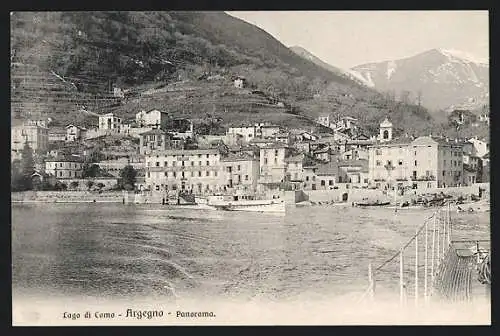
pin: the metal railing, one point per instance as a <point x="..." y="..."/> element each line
<point x="429" y="264"/>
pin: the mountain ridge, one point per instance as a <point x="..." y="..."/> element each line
<point x="443" y="77"/>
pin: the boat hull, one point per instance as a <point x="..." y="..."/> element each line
<point x="249" y="205"/>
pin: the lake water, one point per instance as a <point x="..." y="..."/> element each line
<point x="114" y="250"/>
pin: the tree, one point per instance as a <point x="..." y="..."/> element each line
<point x="74" y="184"/>
<point x="22" y="170"/>
<point x="90" y="184"/>
<point x="100" y="185"/>
<point x="128" y="177"/>
<point x="90" y="170"/>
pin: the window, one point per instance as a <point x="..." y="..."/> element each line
<point x="215" y="173"/>
<point x="166" y="174"/>
<point x="444" y="162"/>
<point x="199" y="156"/>
<point x="208" y="163"/>
<point x="378" y="163"/>
<point x="199" y="163"/>
<point x="265" y="160"/>
<point x="239" y="167"/>
<point x="174" y="163"/>
<point x="166" y="163"/>
<point x="275" y="161"/>
<point x="415" y="153"/>
<point x="192" y="174"/>
<point x="246" y="177"/>
<point x="400" y="162"/>
<point x="415" y="163"/>
<point x="314" y="178"/>
<point x="208" y="155"/>
<point x="174" y="174"/>
<point x="192" y="163"/>
<point x="149" y="175"/>
<point x="444" y="172"/>
<point x="323" y="182"/>
<point x="208" y="173"/>
<point x="275" y="152"/>
<point x="378" y="152"/>
<point x="157" y="187"/>
<point x="199" y="174"/>
<point x="307" y="178"/>
<point x="182" y="163"/>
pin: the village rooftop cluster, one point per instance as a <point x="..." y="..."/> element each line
<point x="257" y="157"/>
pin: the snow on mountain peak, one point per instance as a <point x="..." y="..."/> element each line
<point x="391" y="67"/>
<point x="453" y="54"/>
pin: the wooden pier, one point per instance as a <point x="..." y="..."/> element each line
<point x="434" y="267"/>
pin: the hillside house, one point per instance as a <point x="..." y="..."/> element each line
<point x="151" y="118"/>
<point x="110" y="122"/>
<point x="481" y="147"/>
<point x="240" y="82"/>
<point x="269" y="131"/>
<point x="284" y="137"/>
<point x="75" y="133"/>
<point x="245" y="132"/>
<point x="181" y="128"/>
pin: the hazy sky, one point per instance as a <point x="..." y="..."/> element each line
<point x="349" y="38"/>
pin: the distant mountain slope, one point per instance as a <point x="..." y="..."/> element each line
<point x="444" y="77"/>
<point x="338" y="71"/>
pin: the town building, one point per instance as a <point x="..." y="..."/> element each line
<point x="425" y="162"/>
<point x="64" y="167"/>
<point x="34" y="134"/>
<point x="199" y="171"/>
<point x="310" y="178"/>
<point x="75" y="133"/>
<point x="110" y="122"/>
<point x="241" y="172"/>
<point x="354" y="172"/>
<point x="388" y="163"/>
<point x="272" y="165"/>
<point x="156" y="139"/>
<point x="151" y="118"/>
<point x="294" y="173"/>
<point x="326" y="175"/>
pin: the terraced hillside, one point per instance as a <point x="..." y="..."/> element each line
<point x="91" y="52"/>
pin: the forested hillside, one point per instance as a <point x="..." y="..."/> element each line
<point x="63" y="61"/>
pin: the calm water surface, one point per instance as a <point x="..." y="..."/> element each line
<point x="143" y="250"/>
